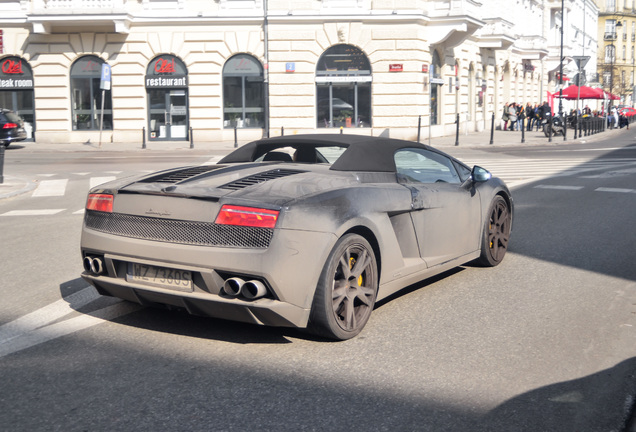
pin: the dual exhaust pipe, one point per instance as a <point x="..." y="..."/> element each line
<point x="251" y="290"/>
<point x="94" y="265"/>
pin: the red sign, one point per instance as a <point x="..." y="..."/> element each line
<point x="396" y="68"/>
<point x="164" y="66"/>
<point x="11" y="67"/>
<point x="425" y="68"/>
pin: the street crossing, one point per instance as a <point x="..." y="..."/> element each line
<point x="515" y="172"/>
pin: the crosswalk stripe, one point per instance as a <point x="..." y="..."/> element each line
<point x="48" y="188"/>
<point x="95" y="181"/>
<point x="43" y="212"/>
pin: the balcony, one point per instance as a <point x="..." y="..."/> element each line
<point x="452" y="21"/>
<point x="105" y="15"/>
<point x="497" y="34"/>
<point x="610" y="36"/>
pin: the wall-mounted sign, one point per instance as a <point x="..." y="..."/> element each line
<point x="437" y="80"/>
<point x="425" y="68"/>
<point x="396" y="68"/>
<point x="166" y="71"/>
<point x="15" y="73"/>
<point x="290" y="67"/>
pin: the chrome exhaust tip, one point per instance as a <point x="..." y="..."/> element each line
<point x="233" y="286"/>
<point x="253" y="290"/>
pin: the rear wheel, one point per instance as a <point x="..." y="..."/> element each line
<point x="496" y="233"/>
<point x="346" y="291"/>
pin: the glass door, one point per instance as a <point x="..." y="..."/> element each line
<point x="168" y="114"/>
<point x="20" y="102"/>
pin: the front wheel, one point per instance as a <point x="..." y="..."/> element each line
<point x="346" y="291"/>
<point x="496" y="235"/>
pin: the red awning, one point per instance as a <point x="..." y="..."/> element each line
<point x="572" y="92"/>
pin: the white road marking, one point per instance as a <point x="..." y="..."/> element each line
<point x="43" y="324"/>
<point x="81" y="173"/>
<point x="80" y="212"/>
<point x="617" y="190"/>
<point x="43" y="212"/>
<point x="113" y="172"/>
<point x="557" y="187"/>
<point x="48" y="188"/>
<point x="47" y="314"/>
<point x="213" y="161"/>
<point x="96" y="181"/>
<point x="63" y="328"/>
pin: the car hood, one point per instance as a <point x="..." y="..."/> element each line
<point x="274" y="183"/>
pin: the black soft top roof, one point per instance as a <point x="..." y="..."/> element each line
<point x="363" y="153"/>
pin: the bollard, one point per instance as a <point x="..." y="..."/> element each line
<point x="282" y="131"/>
<point x="143" y="137"/>
<point x="235" y="138"/>
<point x="341" y="129"/>
<point x="523" y="130"/>
<point x="419" y="125"/>
<point x="550" y="128"/>
<point x="492" y="128"/>
<point x="457" y="131"/>
<point x="564" y="120"/>
<point x="2" y="148"/>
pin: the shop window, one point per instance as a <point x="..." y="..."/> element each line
<point x="436" y="88"/>
<point x="243" y="93"/>
<point x="343" y="88"/>
<point x="86" y="96"/>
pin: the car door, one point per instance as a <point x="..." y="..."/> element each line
<point x="445" y="210"/>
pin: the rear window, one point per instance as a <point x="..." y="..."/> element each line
<point x="12" y="117"/>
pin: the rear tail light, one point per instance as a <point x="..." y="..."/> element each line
<point x="10" y="126"/>
<point x="100" y="202"/>
<point x="247" y="216"/>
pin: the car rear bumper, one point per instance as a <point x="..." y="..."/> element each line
<point x="289" y="268"/>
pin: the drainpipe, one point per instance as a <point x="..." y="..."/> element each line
<point x="266" y="74"/>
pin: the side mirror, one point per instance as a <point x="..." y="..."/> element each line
<point x="480" y="174"/>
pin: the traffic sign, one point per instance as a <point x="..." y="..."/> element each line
<point x="104" y="83"/>
<point x="581" y="61"/>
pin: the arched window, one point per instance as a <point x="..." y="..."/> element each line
<point x="86" y="96"/>
<point x="243" y="93"/>
<point x="436" y="87"/>
<point x="343" y="88"/>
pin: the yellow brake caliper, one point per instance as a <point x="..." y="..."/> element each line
<point x="352" y="262"/>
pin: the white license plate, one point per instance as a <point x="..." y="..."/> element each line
<point x="180" y="280"/>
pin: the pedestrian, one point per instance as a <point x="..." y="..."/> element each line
<point x="512" y="115"/>
<point x="505" y="117"/>
<point x="529" y="116"/>
<point x="614" y="117"/>
<point x="521" y="115"/>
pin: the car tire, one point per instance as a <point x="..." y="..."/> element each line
<point x="346" y="291"/>
<point x="496" y="235"/>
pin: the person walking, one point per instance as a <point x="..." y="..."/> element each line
<point x="512" y="116"/>
<point x="505" y="117"/>
<point x="521" y="115"/>
<point x="530" y="116"/>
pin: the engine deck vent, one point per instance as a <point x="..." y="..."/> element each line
<point x="259" y="178"/>
<point x="182" y="174"/>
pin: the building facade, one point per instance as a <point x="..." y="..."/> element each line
<point x="616" y="61"/>
<point x="176" y="67"/>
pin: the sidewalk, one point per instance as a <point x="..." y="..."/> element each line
<point x="13" y="185"/>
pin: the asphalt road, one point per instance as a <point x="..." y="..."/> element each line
<point x="544" y="342"/>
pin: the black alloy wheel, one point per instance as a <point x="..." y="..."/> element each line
<point x="496" y="233"/>
<point x="346" y="291"/>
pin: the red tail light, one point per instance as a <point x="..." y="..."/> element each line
<point x="100" y="202"/>
<point x="247" y="216"/>
<point x="9" y="125"/>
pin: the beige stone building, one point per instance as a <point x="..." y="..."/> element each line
<point x="169" y="68"/>
<point x="616" y="60"/>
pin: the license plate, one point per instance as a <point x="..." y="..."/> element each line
<point x="180" y="280"/>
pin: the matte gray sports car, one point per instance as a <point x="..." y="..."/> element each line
<point x="304" y="231"/>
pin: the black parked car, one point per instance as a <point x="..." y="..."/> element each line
<point x="11" y="127"/>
